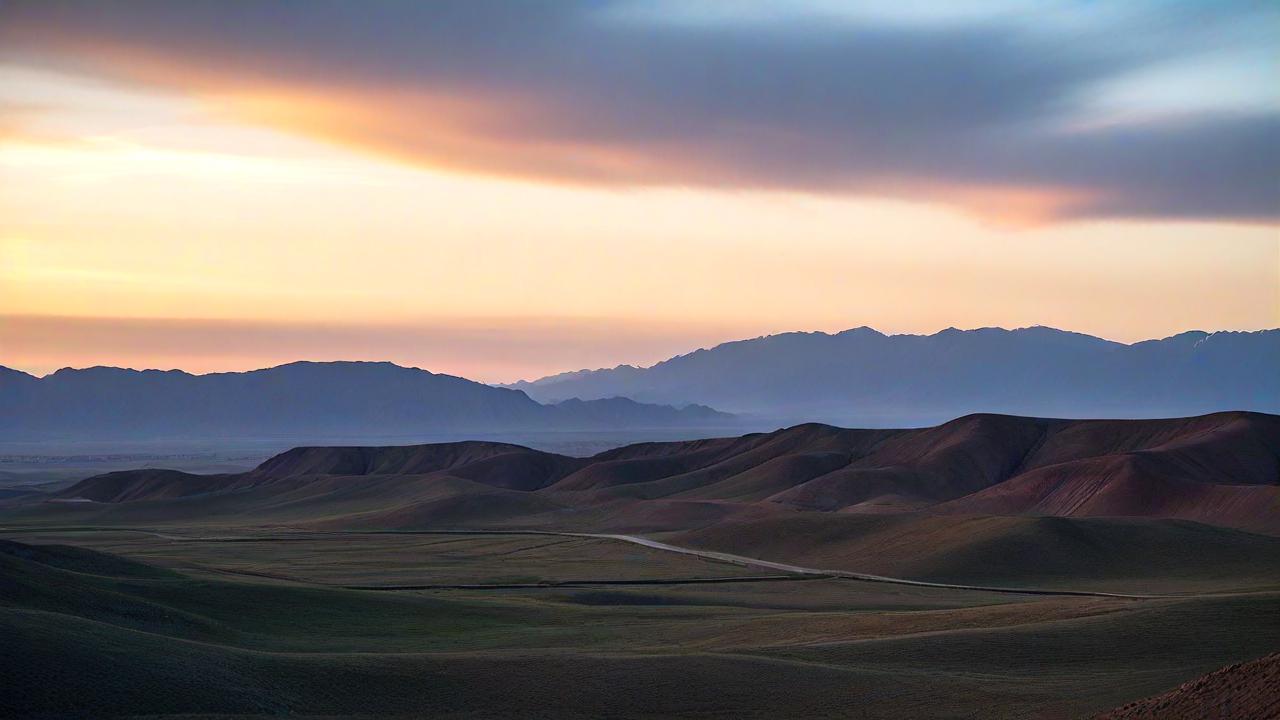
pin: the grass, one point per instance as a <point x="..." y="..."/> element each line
<point x="1126" y="555"/>
<point x="399" y="559"/>
<point x="122" y="623"/>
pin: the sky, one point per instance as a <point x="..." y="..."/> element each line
<point x="507" y="190"/>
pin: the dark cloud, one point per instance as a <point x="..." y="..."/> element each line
<point x="577" y="92"/>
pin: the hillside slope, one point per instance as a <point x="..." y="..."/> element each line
<point x="1242" y="690"/>
<point x="1221" y="469"/>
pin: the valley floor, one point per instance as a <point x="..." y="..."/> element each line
<point x="205" y="620"/>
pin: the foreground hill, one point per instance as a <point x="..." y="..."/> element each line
<point x="1242" y="690"/>
<point x="304" y="399"/>
<point x="1221" y="469"/>
<point x="867" y="378"/>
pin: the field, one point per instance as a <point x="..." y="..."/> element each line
<point x="249" y="621"/>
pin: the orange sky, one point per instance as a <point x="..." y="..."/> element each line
<point x="145" y="226"/>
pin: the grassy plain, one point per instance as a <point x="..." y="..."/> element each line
<point x="210" y="622"/>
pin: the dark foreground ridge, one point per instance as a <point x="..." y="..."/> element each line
<point x="1242" y="690"/>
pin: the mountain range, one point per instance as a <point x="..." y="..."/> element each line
<point x="858" y="377"/>
<point x="302" y="399"/>
<point x="865" y="378"/>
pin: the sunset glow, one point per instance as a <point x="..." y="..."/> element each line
<point x="193" y="202"/>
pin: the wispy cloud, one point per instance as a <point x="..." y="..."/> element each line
<point x="967" y="107"/>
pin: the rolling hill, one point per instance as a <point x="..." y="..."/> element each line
<point x="298" y="400"/>
<point x="866" y="378"/>
<point x="1221" y="469"/>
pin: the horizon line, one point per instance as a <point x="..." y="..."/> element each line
<point x="512" y="384"/>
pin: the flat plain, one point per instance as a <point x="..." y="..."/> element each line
<point x="226" y="622"/>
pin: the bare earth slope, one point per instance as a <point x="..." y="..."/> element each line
<point x="1220" y="469"/>
<point x="1242" y="690"/>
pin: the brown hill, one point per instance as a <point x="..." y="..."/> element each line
<point x="654" y="470"/>
<point x="1243" y="690"/>
<point x="487" y="463"/>
<point x="1221" y="469"/>
<point x="919" y="467"/>
<point x="146" y="484"/>
<point x="491" y="463"/>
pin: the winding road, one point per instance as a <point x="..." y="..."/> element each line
<point x="640" y="540"/>
<point x="800" y="570"/>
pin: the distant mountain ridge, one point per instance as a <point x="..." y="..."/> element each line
<point x="298" y="399"/>
<point x="866" y="378"/>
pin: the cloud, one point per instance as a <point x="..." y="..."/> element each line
<point x="967" y="111"/>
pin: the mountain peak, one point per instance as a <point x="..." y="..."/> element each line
<point x="860" y="331"/>
<point x="344" y="364"/>
<point x="877" y="380"/>
<point x="109" y="371"/>
<point x="301" y="400"/>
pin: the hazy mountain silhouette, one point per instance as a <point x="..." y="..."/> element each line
<point x="866" y="378"/>
<point x="295" y="400"/>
